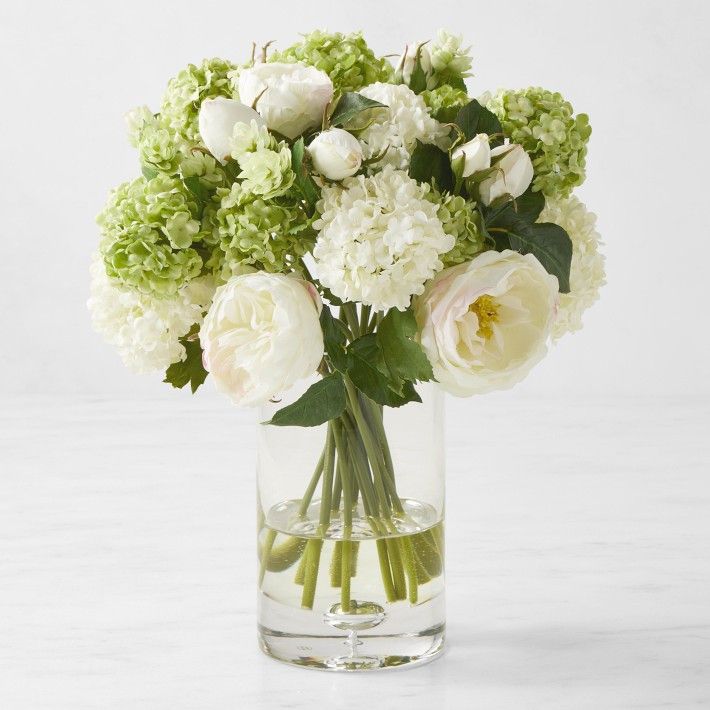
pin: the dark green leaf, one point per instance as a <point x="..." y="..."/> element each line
<point x="232" y="169"/>
<point x="418" y="79"/>
<point x="335" y="339"/>
<point x="431" y="164"/>
<point x="321" y="402"/>
<point x="350" y="105"/>
<point x="473" y="119"/>
<point x="452" y="80"/>
<point x="304" y="181"/>
<point x="190" y="370"/>
<point x="547" y="242"/>
<point x="527" y="208"/>
<point x="403" y="356"/>
<point x="197" y="188"/>
<point x="368" y="372"/>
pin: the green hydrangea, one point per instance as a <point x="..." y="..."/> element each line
<point x="186" y="91"/>
<point x="460" y="220"/>
<point x="346" y="59"/>
<point x="159" y="149"/>
<point x="445" y="102"/>
<point x="269" y="235"/>
<point x="450" y="62"/>
<point x="148" y="231"/>
<point x="203" y="166"/>
<point x="265" y="162"/>
<point x="544" y="123"/>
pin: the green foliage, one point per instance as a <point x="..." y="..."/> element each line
<point x="349" y="106"/>
<point x="321" y="402"/>
<point x="335" y="340"/>
<point x="304" y="182"/>
<point x="190" y="370"/>
<point x="431" y="164"/>
<point x="403" y="356"/>
<point x="473" y="119"/>
<point x="445" y="102"/>
<point x="368" y="371"/>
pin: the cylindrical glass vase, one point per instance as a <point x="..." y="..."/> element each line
<point x="351" y="536"/>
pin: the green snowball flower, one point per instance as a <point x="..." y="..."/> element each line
<point x="186" y="91"/>
<point x="265" y="162"/>
<point x="543" y="122"/>
<point x="203" y="166"/>
<point x="346" y="59"/>
<point x="445" y="102"/>
<point x="460" y="220"/>
<point x="148" y="229"/>
<point x="159" y="148"/>
<point x="253" y="232"/>
<point x="450" y="62"/>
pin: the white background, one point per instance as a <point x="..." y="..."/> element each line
<point x="72" y="69"/>
<point x="578" y="504"/>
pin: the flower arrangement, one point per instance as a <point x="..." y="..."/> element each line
<point x="319" y="211"/>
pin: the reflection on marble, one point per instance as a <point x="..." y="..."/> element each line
<point x="578" y="572"/>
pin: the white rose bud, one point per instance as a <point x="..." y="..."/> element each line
<point x="485" y="323"/>
<point x="290" y="97"/>
<point x="336" y="154"/>
<point x="476" y="155"/>
<point x="261" y="335"/>
<point x="513" y="175"/>
<point x="408" y="60"/>
<point x="216" y="121"/>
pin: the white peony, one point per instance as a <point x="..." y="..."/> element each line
<point x="398" y="127"/>
<point x="290" y="97"/>
<point x="476" y="155"/>
<point x="379" y="239"/>
<point x="587" y="273"/>
<point x="485" y="323"/>
<point x="336" y="154"/>
<point x="217" y="120"/>
<point x="513" y="175"/>
<point x="261" y="335"/>
<point x="146" y="330"/>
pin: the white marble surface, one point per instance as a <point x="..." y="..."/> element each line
<point x="578" y="573"/>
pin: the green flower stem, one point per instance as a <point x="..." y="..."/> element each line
<point x="310" y="490"/>
<point x="314" y="546"/>
<point x="349" y="312"/>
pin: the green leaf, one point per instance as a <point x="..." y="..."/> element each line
<point x="320" y="403"/>
<point x="190" y="370"/>
<point x="473" y="119"/>
<point x="403" y="356"/>
<point x="527" y="208"/>
<point x="197" y="188"/>
<point x="369" y="373"/>
<point x="547" y="242"/>
<point x="350" y="105"/>
<point x="431" y="164"/>
<point x="335" y="339"/>
<point x="304" y="181"/>
<point x="148" y="172"/>
<point x="418" y="79"/>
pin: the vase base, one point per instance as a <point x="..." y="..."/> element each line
<point x="353" y="646"/>
<point x="329" y="653"/>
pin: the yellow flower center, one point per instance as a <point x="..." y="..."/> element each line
<point x="486" y="309"/>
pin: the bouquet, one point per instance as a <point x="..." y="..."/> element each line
<point x="321" y="212"/>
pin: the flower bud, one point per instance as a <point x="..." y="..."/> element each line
<point x="513" y="174"/>
<point x="336" y="154"/>
<point x="476" y="155"/>
<point x="217" y="120"/>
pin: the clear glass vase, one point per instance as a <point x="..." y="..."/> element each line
<point x="351" y="536"/>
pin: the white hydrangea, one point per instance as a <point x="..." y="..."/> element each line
<point x="399" y="127"/>
<point x="587" y="274"/>
<point x="379" y="239"/>
<point x="146" y="330"/>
